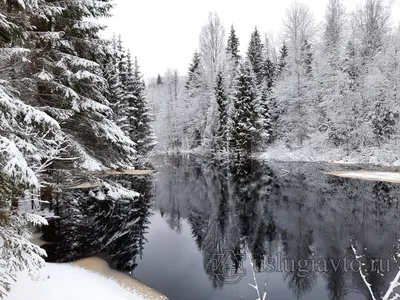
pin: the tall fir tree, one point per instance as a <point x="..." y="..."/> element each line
<point x="232" y="48"/>
<point x="64" y="76"/>
<point x="115" y="93"/>
<point x="159" y="80"/>
<point x="255" y="55"/>
<point x="122" y="62"/>
<point x="194" y="76"/>
<point x="264" y="121"/>
<point x="244" y="116"/>
<point x="269" y="73"/>
<point x="282" y="60"/>
<point x="141" y="131"/>
<point x="223" y="117"/>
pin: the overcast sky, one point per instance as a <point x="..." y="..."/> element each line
<point x="164" y="33"/>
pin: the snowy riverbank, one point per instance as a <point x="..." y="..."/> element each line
<point x="376" y="156"/>
<point x="66" y="282"/>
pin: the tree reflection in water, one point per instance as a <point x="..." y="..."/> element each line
<point x="292" y="209"/>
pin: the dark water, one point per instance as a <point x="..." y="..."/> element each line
<point x="206" y="229"/>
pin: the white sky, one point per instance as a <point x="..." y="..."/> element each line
<point x="164" y="33"/>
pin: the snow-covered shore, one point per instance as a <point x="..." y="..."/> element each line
<point x="67" y="282"/>
<point x="374" y="156"/>
<point x="369" y="175"/>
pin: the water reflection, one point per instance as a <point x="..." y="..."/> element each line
<point x="287" y="212"/>
<point x="301" y="229"/>
<point x="115" y="230"/>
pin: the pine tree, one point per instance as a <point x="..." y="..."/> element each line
<point x="244" y="116"/>
<point x="223" y="124"/>
<point x="232" y="48"/>
<point x="255" y="55"/>
<point x="194" y="78"/>
<point x="282" y="63"/>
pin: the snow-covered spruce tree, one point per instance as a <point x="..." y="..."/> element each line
<point x="244" y="116"/>
<point x="140" y="130"/>
<point x="159" y="80"/>
<point x="223" y="134"/>
<point x="269" y="71"/>
<point x="26" y="135"/>
<point x="68" y="82"/>
<point x="115" y="92"/>
<point x="282" y="60"/>
<point x="232" y="48"/>
<point x="233" y="60"/>
<point x="264" y="120"/>
<point x="122" y="62"/>
<point x="255" y="55"/>
<point x="194" y="81"/>
<point x="59" y="78"/>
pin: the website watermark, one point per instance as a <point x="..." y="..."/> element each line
<point x="229" y="266"/>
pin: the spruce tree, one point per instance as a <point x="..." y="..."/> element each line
<point x="255" y="55"/>
<point x="140" y="129"/>
<point x="64" y="76"/>
<point x="232" y="48"/>
<point x="264" y="121"/>
<point x="194" y="78"/>
<point x="159" y="80"/>
<point x="282" y="62"/>
<point x="269" y="73"/>
<point x="223" y="124"/>
<point x="122" y="62"/>
<point x="244" y="116"/>
<point x="115" y="93"/>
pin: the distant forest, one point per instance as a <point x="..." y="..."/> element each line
<point x="330" y="88"/>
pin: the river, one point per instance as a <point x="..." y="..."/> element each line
<point x="210" y="230"/>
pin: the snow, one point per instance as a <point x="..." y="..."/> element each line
<point x="369" y="175"/>
<point x="67" y="282"/>
<point x="116" y="192"/>
<point x="16" y="107"/>
<point x="45" y="76"/>
<point x="384" y="155"/>
<point x="88" y="162"/>
<point x="15" y="164"/>
<point x="85" y="104"/>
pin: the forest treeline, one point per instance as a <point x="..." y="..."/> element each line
<point x="329" y="87"/>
